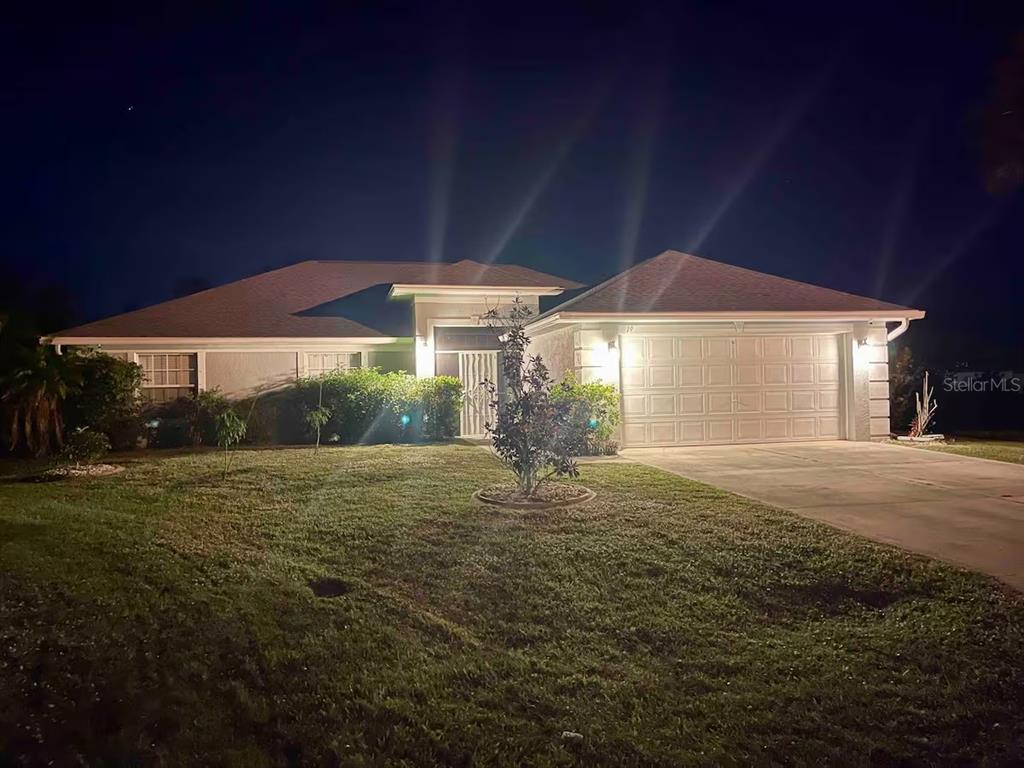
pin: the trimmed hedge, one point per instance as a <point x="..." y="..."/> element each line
<point x="593" y="417"/>
<point x="366" y="406"/>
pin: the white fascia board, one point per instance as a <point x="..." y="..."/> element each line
<point x="243" y="342"/>
<point x="682" y="317"/>
<point x="402" y="289"/>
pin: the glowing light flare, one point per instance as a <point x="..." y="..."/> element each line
<point x="605" y="359"/>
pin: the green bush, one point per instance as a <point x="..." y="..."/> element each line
<point x="366" y="405"/>
<point x="440" y="399"/>
<point x="84" y="446"/>
<point x="594" y="415"/>
<point x="107" y="399"/>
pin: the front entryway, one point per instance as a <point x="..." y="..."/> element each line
<point x="477" y="409"/>
<point x="696" y="390"/>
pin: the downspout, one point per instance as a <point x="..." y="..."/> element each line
<point x="899" y="330"/>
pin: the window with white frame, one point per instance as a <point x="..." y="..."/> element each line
<point x="166" y="377"/>
<point x="319" y="363"/>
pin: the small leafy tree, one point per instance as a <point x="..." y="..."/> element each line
<point x="230" y="431"/>
<point x="530" y="430"/>
<point x="317" y="417"/>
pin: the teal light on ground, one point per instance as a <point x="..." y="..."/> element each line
<point x="405" y="419"/>
<point x="592" y="423"/>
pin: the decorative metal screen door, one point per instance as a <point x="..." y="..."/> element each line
<point x="475" y="367"/>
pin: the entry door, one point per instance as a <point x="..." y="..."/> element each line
<point x="679" y="390"/>
<point x="477" y="411"/>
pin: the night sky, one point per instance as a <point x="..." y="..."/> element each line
<point x="146" y="154"/>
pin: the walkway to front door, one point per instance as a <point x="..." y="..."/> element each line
<point x="967" y="511"/>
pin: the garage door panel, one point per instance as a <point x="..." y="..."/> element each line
<point x="718" y="375"/>
<point x="802" y="400"/>
<point x="663" y="432"/>
<point x="776" y="373"/>
<point x="690" y="349"/>
<point x="777" y="402"/>
<point x="805" y="428"/>
<point x="718" y="349"/>
<point x="661" y="405"/>
<point x="775" y="348"/>
<point x="801" y="347"/>
<point x="748" y="349"/>
<point x="801" y="373"/>
<point x="719" y="402"/>
<point x="828" y="427"/>
<point x="662" y="376"/>
<point x="692" y="405"/>
<point x="828" y="373"/>
<point x="749" y="375"/>
<point x="660" y="349"/>
<point x="692" y="432"/>
<point x="776" y="429"/>
<point x="748" y="402"/>
<point x="691" y="375"/>
<point x="720" y="431"/>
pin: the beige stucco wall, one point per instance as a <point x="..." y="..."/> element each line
<point x="240" y="374"/>
<point x="557" y="349"/>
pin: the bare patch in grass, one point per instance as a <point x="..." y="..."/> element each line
<point x="330" y="587"/>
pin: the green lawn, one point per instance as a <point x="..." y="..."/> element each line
<point x="999" y="450"/>
<point x="163" y="617"/>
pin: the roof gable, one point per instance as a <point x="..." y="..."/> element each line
<point x="675" y="282"/>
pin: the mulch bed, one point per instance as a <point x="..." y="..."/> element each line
<point x="67" y="473"/>
<point x="550" y="495"/>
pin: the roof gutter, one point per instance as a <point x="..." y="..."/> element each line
<point x="899" y="330"/>
<point x="556" y="317"/>
<point x="58" y="340"/>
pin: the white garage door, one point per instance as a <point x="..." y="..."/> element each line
<point x="679" y="390"/>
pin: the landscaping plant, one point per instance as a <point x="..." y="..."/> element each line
<point x="85" y="446"/>
<point x="926" y="408"/>
<point x="531" y="430"/>
<point x="593" y="415"/>
<point x="107" y="398"/>
<point x="439" y="398"/>
<point x="230" y="431"/>
<point x="33" y="395"/>
<point x="317" y="417"/>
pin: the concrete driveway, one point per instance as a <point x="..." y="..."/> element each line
<point x="963" y="510"/>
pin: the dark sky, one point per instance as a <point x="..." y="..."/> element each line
<point x="829" y="143"/>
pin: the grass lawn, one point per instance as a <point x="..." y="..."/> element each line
<point x="163" y="616"/>
<point x="999" y="450"/>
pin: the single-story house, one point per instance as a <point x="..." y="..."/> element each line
<point x="701" y="352"/>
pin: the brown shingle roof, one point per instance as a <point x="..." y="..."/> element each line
<point x="680" y="282"/>
<point x="267" y="305"/>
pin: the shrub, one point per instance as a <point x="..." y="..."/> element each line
<point x="366" y="405"/>
<point x="85" y="446"/>
<point x="593" y="415"/>
<point x="107" y="399"/>
<point x="440" y="400"/>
